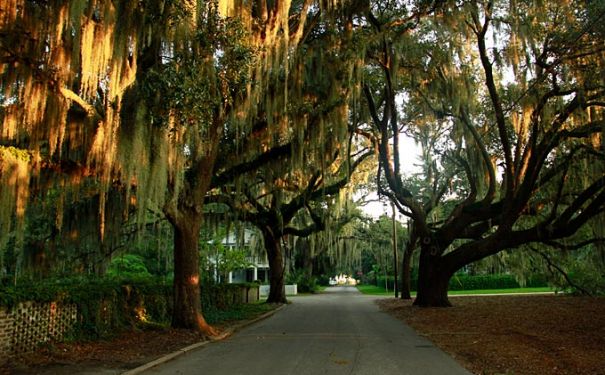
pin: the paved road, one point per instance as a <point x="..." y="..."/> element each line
<point x="337" y="332"/>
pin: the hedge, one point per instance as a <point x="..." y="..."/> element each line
<point x="467" y="282"/>
<point x="108" y="305"/>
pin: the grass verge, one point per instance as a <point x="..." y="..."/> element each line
<point x="374" y="290"/>
<point x="379" y="291"/>
<point x="239" y="312"/>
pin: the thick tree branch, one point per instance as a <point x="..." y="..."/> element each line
<point x="495" y="98"/>
<point x="230" y="174"/>
<point x="491" y="191"/>
<point x="317" y="226"/>
<point x="576" y="206"/>
<point x="90" y="109"/>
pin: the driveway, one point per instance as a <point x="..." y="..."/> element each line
<point x="340" y="331"/>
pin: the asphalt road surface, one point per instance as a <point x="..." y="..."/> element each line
<point x="340" y="331"/>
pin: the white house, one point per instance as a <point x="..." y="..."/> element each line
<point x="256" y="257"/>
<point x="259" y="265"/>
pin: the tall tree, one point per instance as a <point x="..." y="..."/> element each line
<point x="313" y="153"/>
<point x="530" y="109"/>
<point x="272" y="201"/>
<point x="139" y="95"/>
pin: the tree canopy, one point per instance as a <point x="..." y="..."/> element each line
<point x="516" y="117"/>
<point x="133" y="112"/>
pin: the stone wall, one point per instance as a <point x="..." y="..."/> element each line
<point x="250" y="294"/>
<point x="291" y="290"/>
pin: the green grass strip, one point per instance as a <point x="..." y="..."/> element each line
<point x="238" y="312"/>
<point x="379" y="291"/>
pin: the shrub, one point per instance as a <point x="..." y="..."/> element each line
<point x="305" y="283"/>
<point x="128" y="265"/>
<point x="323" y="280"/>
<point x="108" y="305"/>
<point x="105" y="305"/>
<point x="467" y="282"/>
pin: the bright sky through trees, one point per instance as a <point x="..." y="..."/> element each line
<point x="410" y="155"/>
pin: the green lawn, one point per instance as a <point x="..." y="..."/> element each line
<point x="379" y="291"/>
<point x="374" y="290"/>
<point x="238" y="312"/>
<point x="502" y="291"/>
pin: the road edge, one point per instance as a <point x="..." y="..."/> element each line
<point x="168" y="357"/>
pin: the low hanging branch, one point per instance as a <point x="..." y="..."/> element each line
<point x="552" y="266"/>
<point x="576" y="246"/>
<point x="317" y="226"/>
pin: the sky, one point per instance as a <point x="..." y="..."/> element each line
<point x="409" y="153"/>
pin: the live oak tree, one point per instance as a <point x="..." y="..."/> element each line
<point x="316" y="152"/>
<point x="337" y="249"/>
<point x="137" y="95"/>
<point x="313" y="153"/>
<point x="519" y="86"/>
<point x="375" y="242"/>
<point x="245" y="128"/>
<point x="288" y="203"/>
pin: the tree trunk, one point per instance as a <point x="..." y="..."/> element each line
<point x="406" y="281"/>
<point x="307" y="260"/>
<point x="277" y="291"/>
<point x="187" y="299"/>
<point x="406" y="264"/>
<point x="433" y="279"/>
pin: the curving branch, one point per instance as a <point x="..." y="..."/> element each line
<point x="576" y="246"/>
<point x="317" y="226"/>
<point x="72" y="96"/>
<point x="552" y="265"/>
<point x="262" y="159"/>
<point x="590" y="192"/>
<point x="480" y="32"/>
<point x="491" y="192"/>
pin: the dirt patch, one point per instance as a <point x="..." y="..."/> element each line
<point x="514" y="334"/>
<point x="126" y="351"/>
<point x="487" y="335"/>
<point x="112" y="356"/>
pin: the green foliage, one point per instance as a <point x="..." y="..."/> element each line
<point x="231" y="259"/>
<point x="105" y="306"/>
<point x="194" y="83"/>
<point x="128" y="265"/>
<point x="466" y="282"/>
<point x="14" y="153"/>
<point x="108" y="305"/>
<point x="377" y="238"/>
<point x="323" y="280"/>
<point x="587" y="277"/>
<point x="215" y="256"/>
<point x="377" y="290"/>
<point x="237" y="312"/>
<point x="223" y="296"/>
<point x="304" y="282"/>
<point x="388" y="282"/>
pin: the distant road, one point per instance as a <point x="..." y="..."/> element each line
<point x="340" y="331"/>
